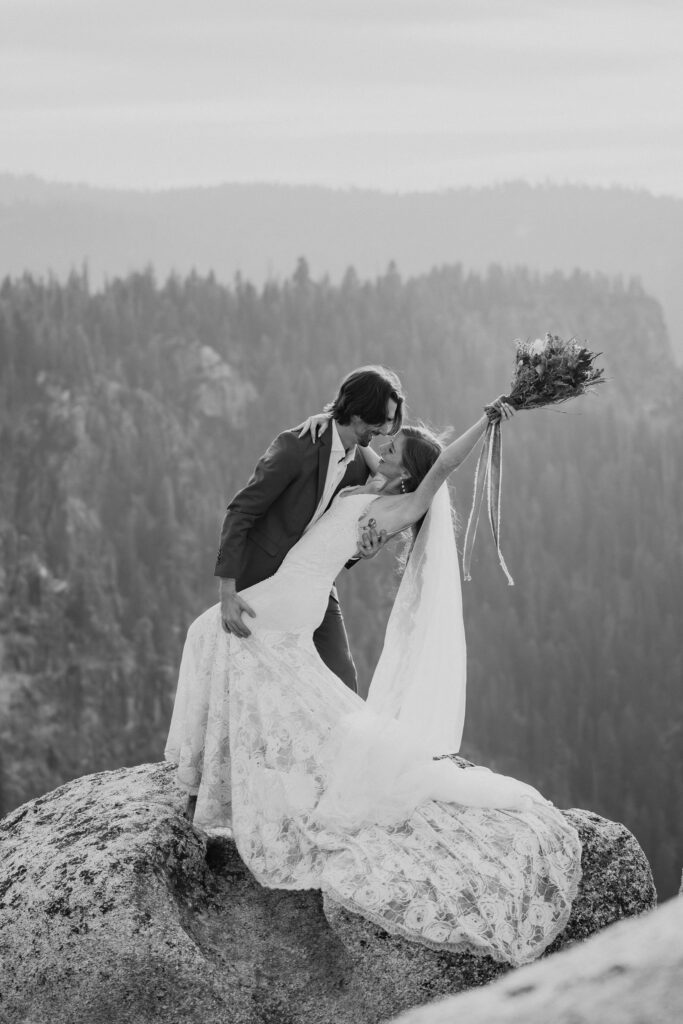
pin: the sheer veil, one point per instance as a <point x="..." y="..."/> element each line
<point x="421" y="674"/>
<point x="380" y="759"/>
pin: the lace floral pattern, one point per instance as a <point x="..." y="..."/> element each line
<point x="323" y="793"/>
<point x="261" y="749"/>
<point x="467" y="879"/>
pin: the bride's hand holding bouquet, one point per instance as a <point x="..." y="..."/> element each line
<point x="499" y="410"/>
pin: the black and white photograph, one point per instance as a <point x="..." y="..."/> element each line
<point x="341" y="529"/>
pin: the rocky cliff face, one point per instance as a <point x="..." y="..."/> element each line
<point x="113" y="908"/>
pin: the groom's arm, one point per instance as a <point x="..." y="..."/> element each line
<point x="274" y="472"/>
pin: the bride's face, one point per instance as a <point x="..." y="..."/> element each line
<point x="391" y="455"/>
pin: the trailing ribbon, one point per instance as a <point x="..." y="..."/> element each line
<point x="487" y="477"/>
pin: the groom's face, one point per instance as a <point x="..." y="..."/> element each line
<point x="364" y="432"/>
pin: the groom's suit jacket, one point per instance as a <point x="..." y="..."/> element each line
<point x="268" y="516"/>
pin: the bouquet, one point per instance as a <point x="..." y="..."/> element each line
<point x="551" y="370"/>
<point x="547" y="371"/>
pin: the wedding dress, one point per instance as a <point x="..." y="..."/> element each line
<point x="325" y="791"/>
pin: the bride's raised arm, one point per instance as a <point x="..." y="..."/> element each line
<point x="416" y="504"/>
<point x="448" y="461"/>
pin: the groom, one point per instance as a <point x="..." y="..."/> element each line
<point x="292" y="485"/>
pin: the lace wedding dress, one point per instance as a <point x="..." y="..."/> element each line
<point x="322" y="791"/>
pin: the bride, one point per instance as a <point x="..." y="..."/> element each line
<point x="324" y="790"/>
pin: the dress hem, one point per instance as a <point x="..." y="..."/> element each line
<point x="405" y="933"/>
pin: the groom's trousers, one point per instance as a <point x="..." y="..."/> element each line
<point x="332" y="644"/>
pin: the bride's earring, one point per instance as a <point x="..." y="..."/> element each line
<point x="403" y="487"/>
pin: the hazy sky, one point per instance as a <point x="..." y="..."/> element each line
<point x="395" y="94"/>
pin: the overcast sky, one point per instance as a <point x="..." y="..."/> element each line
<point x="395" y="94"/>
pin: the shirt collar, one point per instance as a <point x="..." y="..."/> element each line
<point x="338" y="448"/>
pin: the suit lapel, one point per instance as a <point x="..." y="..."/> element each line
<point x="324" y="450"/>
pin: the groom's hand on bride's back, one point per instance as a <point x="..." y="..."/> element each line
<point x="233" y="607"/>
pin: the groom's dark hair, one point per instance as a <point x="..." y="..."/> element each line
<point x="365" y="392"/>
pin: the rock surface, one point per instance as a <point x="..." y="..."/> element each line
<point x="114" y="909"/>
<point x="632" y="973"/>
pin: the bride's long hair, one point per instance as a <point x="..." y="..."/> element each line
<point x="421" y="449"/>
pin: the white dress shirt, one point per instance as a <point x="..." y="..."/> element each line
<point x="337" y="466"/>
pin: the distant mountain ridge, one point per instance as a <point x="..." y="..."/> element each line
<point x="261" y="230"/>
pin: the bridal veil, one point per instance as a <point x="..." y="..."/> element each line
<point x="421" y="675"/>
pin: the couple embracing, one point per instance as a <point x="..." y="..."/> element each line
<point x="320" y="788"/>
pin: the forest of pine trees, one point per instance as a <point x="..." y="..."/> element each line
<point x="131" y="414"/>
